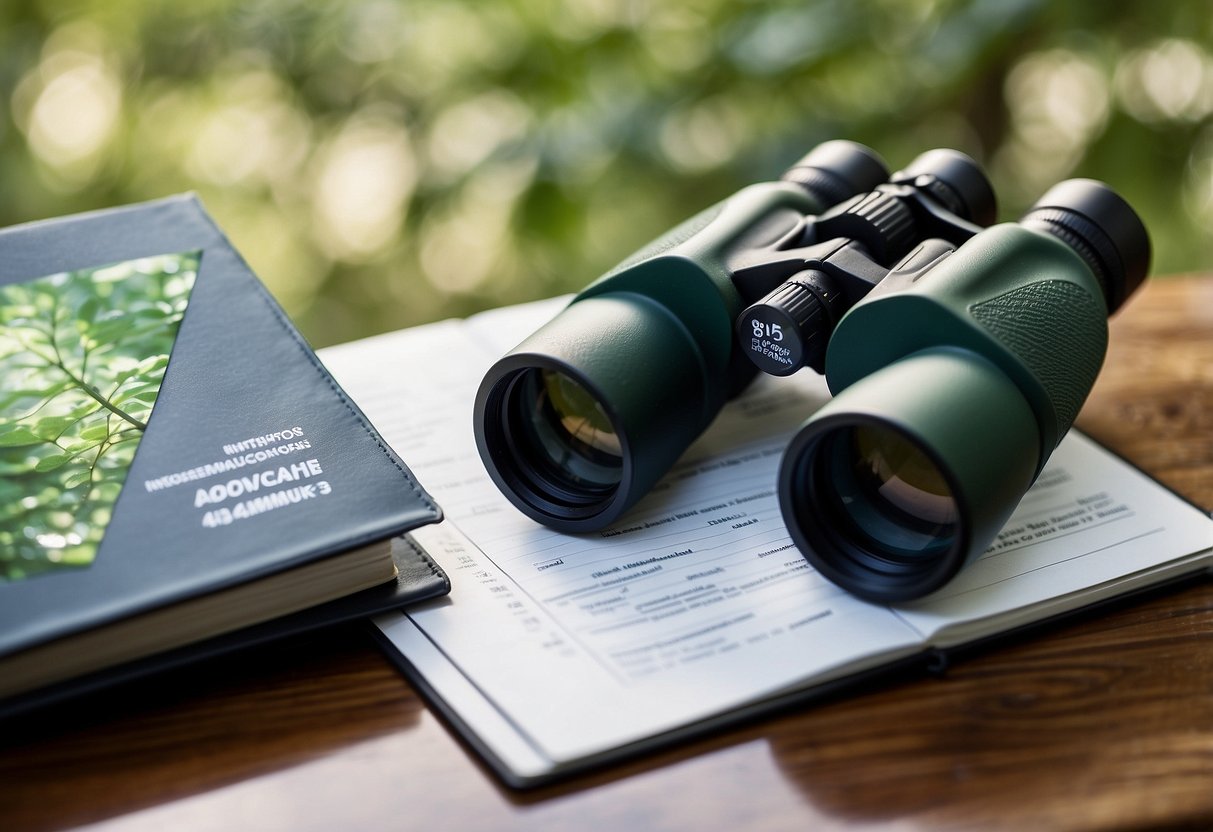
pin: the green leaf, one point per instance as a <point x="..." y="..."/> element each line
<point x="88" y="310"/>
<point x="17" y="436"/>
<point x="137" y="391"/>
<point x="77" y="478"/>
<point x="152" y="363"/>
<point x="95" y="432"/>
<point x="51" y="427"/>
<point x="121" y="376"/>
<point x="79" y="446"/>
<point x="19" y="399"/>
<point x="153" y="312"/>
<point x="87" y="407"/>
<point x="50" y="463"/>
<point x="112" y="330"/>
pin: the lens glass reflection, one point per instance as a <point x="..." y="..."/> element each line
<point x="902" y="475"/>
<point x="893" y="498"/>
<point x="567" y="435"/>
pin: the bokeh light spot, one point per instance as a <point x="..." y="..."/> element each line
<point x="363" y="181"/>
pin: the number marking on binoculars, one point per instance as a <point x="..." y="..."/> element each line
<point x="772" y="331"/>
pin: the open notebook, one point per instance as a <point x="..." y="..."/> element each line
<point x="556" y="652"/>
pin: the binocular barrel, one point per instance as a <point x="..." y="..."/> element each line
<point x="951" y="392"/>
<point x="581" y="419"/>
<point x="958" y="356"/>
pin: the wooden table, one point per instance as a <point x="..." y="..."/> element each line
<point x="1106" y="722"/>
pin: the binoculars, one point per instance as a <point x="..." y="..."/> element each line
<point x="958" y="354"/>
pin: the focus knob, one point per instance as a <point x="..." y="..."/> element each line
<point x="791" y="327"/>
<point x="881" y="222"/>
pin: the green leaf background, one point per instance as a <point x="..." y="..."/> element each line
<point x="82" y="357"/>
<point x="382" y="163"/>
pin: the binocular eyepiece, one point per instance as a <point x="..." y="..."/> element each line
<point x="958" y="353"/>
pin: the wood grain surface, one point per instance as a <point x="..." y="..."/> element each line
<point x="1103" y="723"/>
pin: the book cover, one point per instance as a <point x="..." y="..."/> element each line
<point x="166" y="433"/>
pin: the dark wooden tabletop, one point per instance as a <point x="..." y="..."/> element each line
<point x="1105" y="722"/>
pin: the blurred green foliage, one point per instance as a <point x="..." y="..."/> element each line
<point x="384" y="163"/>
<point x="82" y="356"/>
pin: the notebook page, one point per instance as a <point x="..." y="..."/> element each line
<point x="694" y="604"/>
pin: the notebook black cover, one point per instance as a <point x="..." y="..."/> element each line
<point x="252" y="460"/>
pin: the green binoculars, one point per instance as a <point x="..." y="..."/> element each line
<point x="958" y="354"/>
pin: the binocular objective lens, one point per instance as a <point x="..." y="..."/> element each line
<point x="567" y="435"/>
<point x="881" y="501"/>
<point x="893" y="500"/>
<point x="900" y="478"/>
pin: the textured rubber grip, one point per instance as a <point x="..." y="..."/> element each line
<point x="1066" y="358"/>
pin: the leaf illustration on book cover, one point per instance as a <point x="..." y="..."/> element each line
<point x="82" y="357"/>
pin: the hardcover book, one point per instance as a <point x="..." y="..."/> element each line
<point x="179" y="474"/>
